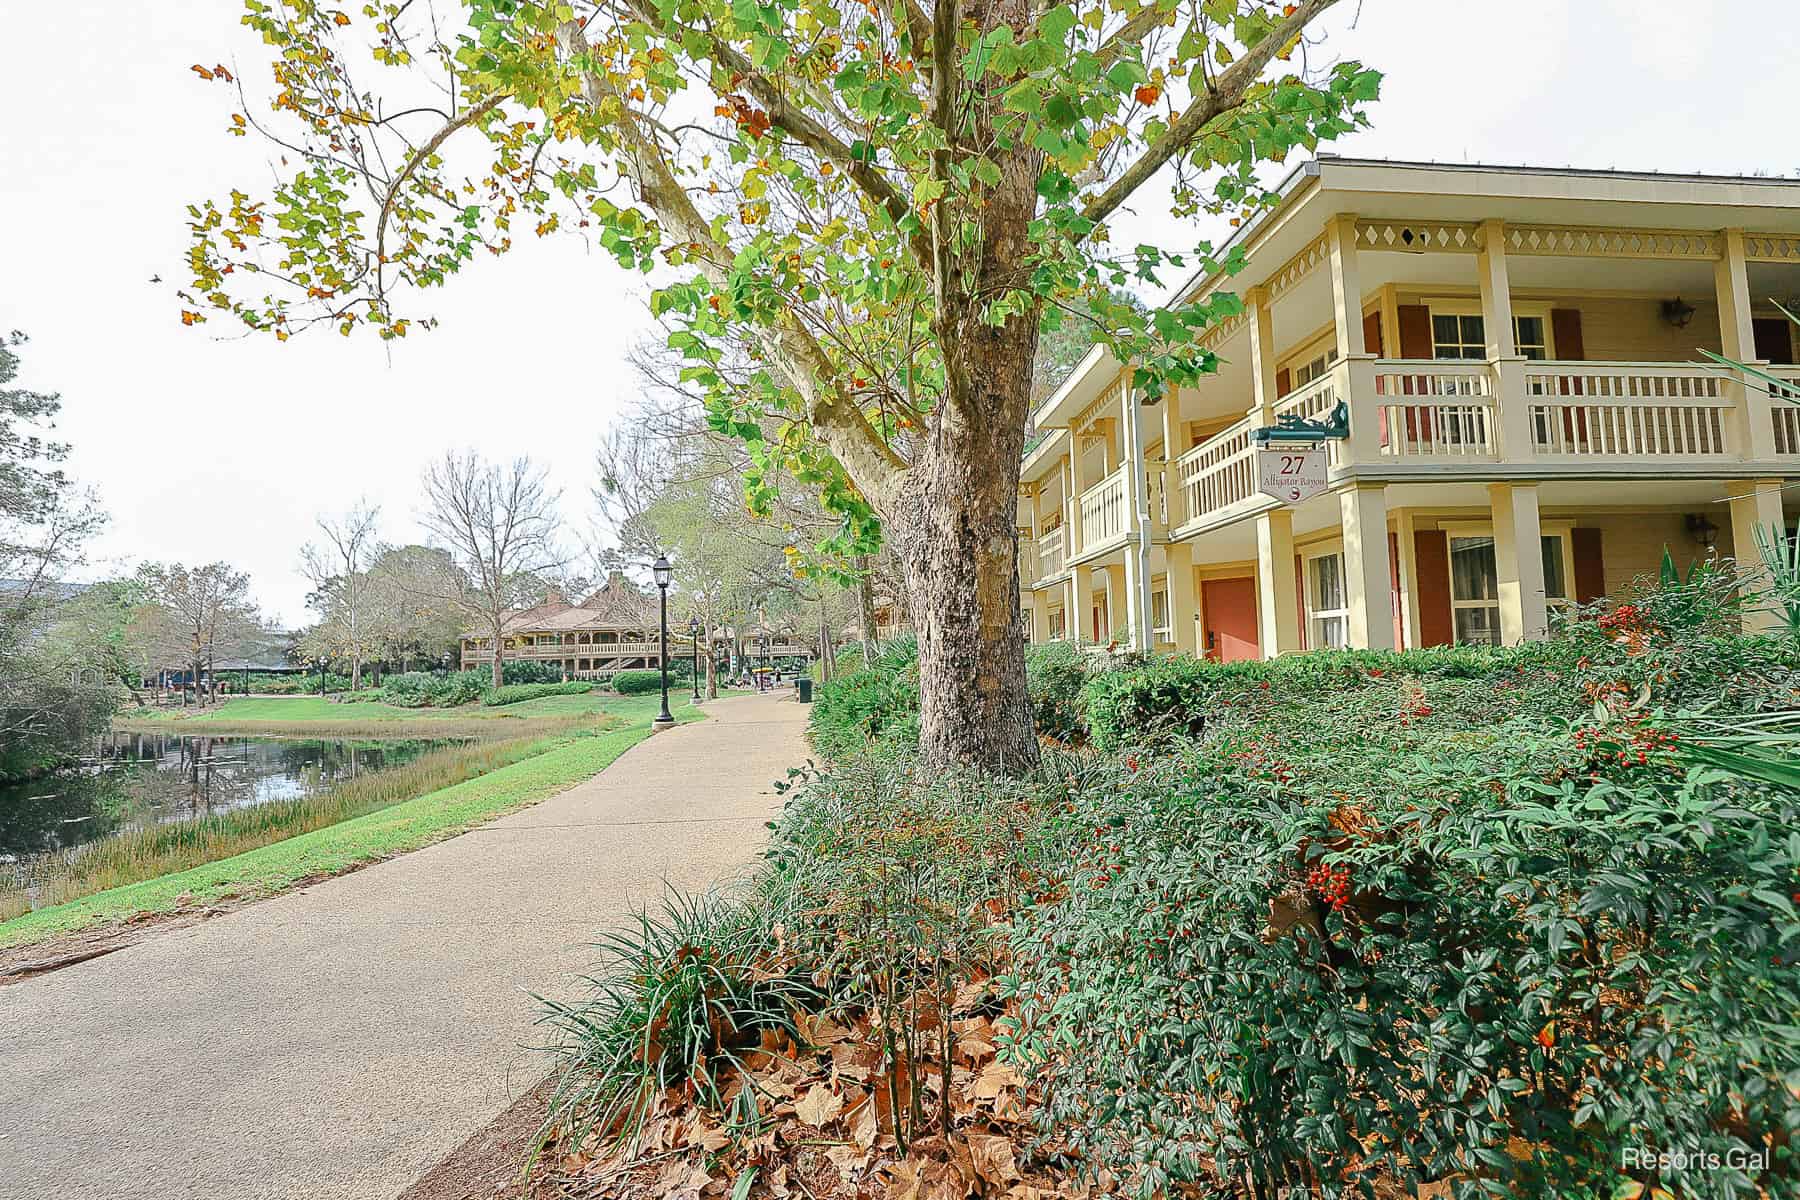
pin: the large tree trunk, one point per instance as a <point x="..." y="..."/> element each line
<point x="959" y="535"/>
<point x="499" y="675"/>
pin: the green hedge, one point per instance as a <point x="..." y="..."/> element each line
<point x="638" y="682"/>
<point x="513" y="693"/>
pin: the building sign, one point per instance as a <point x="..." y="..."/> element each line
<point x="1291" y="471"/>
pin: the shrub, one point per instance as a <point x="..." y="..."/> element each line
<point x="424" y="689"/>
<point x="1175" y="697"/>
<point x="637" y="682"/>
<point x="1055" y="673"/>
<point x="877" y="703"/>
<point x="514" y="693"/>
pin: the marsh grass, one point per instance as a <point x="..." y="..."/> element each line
<point x="164" y="849"/>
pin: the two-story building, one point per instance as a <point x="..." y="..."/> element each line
<point x="618" y="628"/>
<point x="1531" y="418"/>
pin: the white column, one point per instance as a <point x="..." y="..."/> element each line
<point x="1404" y="538"/>
<point x="1137" y="546"/>
<point x="1346" y="285"/>
<point x="1183" y="626"/>
<point x="1366" y="573"/>
<point x="1356" y="368"/>
<point x="1755" y="516"/>
<point x="1117" y="611"/>
<point x="1753" y="415"/>
<point x="1512" y="416"/>
<point x="1262" y="357"/>
<point x="1078" y="483"/>
<point x="1278" y="614"/>
<point x="1519" y="560"/>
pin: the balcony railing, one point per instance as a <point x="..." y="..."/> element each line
<point x="1627" y="410"/>
<point x="1104" y="514"/>
<point x="1785" y="403"/>
<point x="1219" y="472"/>
<point x="1434" y="410"/>
<point x="1050" y="554"/>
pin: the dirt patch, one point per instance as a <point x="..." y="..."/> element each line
<point x="488" y="1165"/>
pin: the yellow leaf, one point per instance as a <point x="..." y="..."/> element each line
<point x="819" y="1106"/>
<point x="189" y="317"/>
<point x="339" y="19"/>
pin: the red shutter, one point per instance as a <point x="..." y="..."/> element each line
<point x="1590" y="566"/>
<point x="1565" y="331"/>
<point x="1394" y="589"/>
<point x="1415" y="331"/>
<point x="1372" y="333"/>
<point x="1431" y="562"/>
<point x="1283" y="382"/>
<point x="1300" y="598"/>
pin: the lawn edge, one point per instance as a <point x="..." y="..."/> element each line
<point x="213" y="882"/>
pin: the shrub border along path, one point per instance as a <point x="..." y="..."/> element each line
<point x="336" y="1041"/>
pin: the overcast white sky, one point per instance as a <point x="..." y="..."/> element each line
<point x="205" y="449"/>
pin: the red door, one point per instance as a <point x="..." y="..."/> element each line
<point x="1229" y="626"/>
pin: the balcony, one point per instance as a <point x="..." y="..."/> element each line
<point x="1105" y="516"/>
<point x="1050" y="554"/>
<point x="1453" y="414"/>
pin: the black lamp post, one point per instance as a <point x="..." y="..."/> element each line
<point x="663" y="572"/>
<point x="768" y="683"/>
<point x="694" y="632"/>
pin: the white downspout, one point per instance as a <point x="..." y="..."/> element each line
<point x="1138" y="479"/>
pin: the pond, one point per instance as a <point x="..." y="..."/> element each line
<point x="132" y="781"/>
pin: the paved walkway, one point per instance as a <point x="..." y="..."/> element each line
<point x="337" y="1041"/>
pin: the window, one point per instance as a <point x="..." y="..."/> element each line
<point x="1475" y="584"/>
<point x="1328" y="605"/>
<point x="1306" y="372"/>
<point x="1057" y="625"/>
<point x="1475" y="591"/>
<point x="1462" y="335"/>
<point x="1159" y="614"/>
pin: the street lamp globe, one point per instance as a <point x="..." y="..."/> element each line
<point x="662" y="570"/>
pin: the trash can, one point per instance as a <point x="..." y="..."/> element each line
<point x="805" y="684"/>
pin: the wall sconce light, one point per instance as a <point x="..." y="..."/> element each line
<point x="1677" y="312"/>
<point x="1702" y="530"/>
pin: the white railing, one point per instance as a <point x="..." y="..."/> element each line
<point x="1627" y="410"/>
<point x="1103" y="511"/>
<point x="592" y="650"/>
<point x="1028" y="559"/>
<point x="1314" y="401"/>
<point x="1435" y="409"/>
<point x="1050" y="554"/>
<point x="1784" y="405"/>
<point x="1164" y="512"/>
<point x="1218" y="472"/>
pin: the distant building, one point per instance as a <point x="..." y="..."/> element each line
<point x="614" y="629"/>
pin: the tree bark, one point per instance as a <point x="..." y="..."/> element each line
<point x="959" y="527"/>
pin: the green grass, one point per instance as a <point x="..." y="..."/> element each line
<point x="313" y="716"/>
<point x="557" y="762"/>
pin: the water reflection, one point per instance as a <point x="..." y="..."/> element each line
<point x="132" y="781"/>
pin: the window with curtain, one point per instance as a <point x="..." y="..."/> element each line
<point x="1327" y="602"/>
<point x="1159" y="613"/>
<point x="1475" y="591"/>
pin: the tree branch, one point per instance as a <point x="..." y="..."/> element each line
<point x="871" y="463"/>
<point x="1224" y="94"/>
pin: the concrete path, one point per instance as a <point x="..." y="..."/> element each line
<point x="337" y="1041"/>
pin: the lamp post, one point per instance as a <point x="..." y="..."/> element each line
<point x="663" y="572"/>
<point x="768" y="683"/>
<point x="694" y="632"/>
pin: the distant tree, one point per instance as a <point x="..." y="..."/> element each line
<point x="1062" y="346"/>
<point x="339" y="571"/>
<point x="56" y="688"/>
<point x="412" y="617"/>
<point x="500" y="526"/>
<point x="193" y="616"/>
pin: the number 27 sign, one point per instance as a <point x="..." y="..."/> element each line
<point x="1291" y="471"/>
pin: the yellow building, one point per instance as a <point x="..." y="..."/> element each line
<point x="1531" y="420"/>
